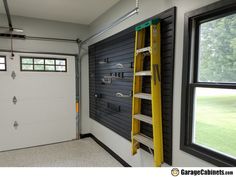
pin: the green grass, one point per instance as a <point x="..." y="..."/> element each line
<point x="216" y="123"/>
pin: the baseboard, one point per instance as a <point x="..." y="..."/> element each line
<point x="87" y="135"/>
<point x="112" y="153"/>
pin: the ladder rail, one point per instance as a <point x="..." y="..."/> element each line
<point x="156" y="94"/>
<point x="137" y="82"/>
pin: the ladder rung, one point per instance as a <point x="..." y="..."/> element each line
<point x="141" y="138"/>
<point x="143" y="73"/>
<point x="143" y="118"/>
<point x="145" y="49"/>
<point x="145" y="96"/>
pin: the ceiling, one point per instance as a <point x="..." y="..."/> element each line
<point x="75" y="11"/>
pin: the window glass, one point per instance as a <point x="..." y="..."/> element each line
<point x="27" y="60"/>
<point x="50" y="68"/>
<point x="49" y="62"/>
<point x="2" y="60"/>
<point x="60" y="68"/>
<point x="39" y="67"/>
<point x="215" y="119"/>
<point x="27" y="67"/>
<point x="60" y="62"/>
<point x="217" y="50"/>
<point x="2" y="67"/>
<point x="38" y="61"/>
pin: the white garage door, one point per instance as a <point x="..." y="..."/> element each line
<point x="44" y="107"/>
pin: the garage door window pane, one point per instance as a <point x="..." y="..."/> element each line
<point x="60" y="68"/>
<point x="2" y="60"/>
<point x="39" y="67"/>
<point x="27" y="67"/>
<point x="50" y="68"/>
<point x="2" y="67"/>
<point x="38" y="61"/>
<point x="2" y="64"/>
<point x="217" y="54"/>
<point x="215" y="119"/>
<point x="27" y="60"/>
<point x="60" y="62"/>
<point x="49" y="62"/>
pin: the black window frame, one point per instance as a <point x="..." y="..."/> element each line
<point x="190" y="79"/>
<point x="5" y="63"/>
<point x="43" y="58"/>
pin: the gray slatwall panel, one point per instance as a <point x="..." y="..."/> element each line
<point x="119" y="48"/>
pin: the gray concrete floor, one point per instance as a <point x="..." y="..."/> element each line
<point x="81" y="153"/>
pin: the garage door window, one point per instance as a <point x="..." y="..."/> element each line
<point x="3" y="63"/>
<point x="43" y="64"/>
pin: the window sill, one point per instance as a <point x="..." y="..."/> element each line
<point x="208" y="155"/>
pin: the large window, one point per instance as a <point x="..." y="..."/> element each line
<point x="3" y="63"/>
<point x="43" y="64"/>
<point x="209" y="84"/>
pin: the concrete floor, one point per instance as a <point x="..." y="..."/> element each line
<point x="81" y="153"/>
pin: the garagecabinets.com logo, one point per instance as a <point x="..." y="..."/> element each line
<point x="200" y="172"/>
<point x="175" y="172"/>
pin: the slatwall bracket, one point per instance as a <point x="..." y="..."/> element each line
<point x="105" y="61"/>
<point x="131" y="64"/>
<point x="113" y="107"/>
<point x="117" y="75"/>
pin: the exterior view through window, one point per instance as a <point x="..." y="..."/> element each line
<point x="2" y="63"/>
<point x="43" y="64"/>
<point x="214" y="110"/>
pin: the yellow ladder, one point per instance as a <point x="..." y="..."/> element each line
<point x="155" y="143"/>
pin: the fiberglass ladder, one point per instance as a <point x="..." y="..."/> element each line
<point x="155" y="143"/>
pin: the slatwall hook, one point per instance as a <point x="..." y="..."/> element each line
<point x="119" y="66"/>
<point x="121" y="95"/>
<point x="107" y="80"/>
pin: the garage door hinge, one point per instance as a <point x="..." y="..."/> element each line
<point x="14" y="100"/>
<point x="13" y="75"/>
<point x="15" y="125"/>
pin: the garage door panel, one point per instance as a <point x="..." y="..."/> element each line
<point x="33" y="135"/>
<point x="45" y="108"/>
<point x="7" y="112"/>
<point x="7" y="88"/>
<point x="9" y="142"/>
<point x="42" y="87"/>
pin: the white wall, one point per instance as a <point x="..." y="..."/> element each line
<point x="148" y="8"/>
<point x="44" y="28"/>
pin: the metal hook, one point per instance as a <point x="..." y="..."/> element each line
<point x="119" y="66"/>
